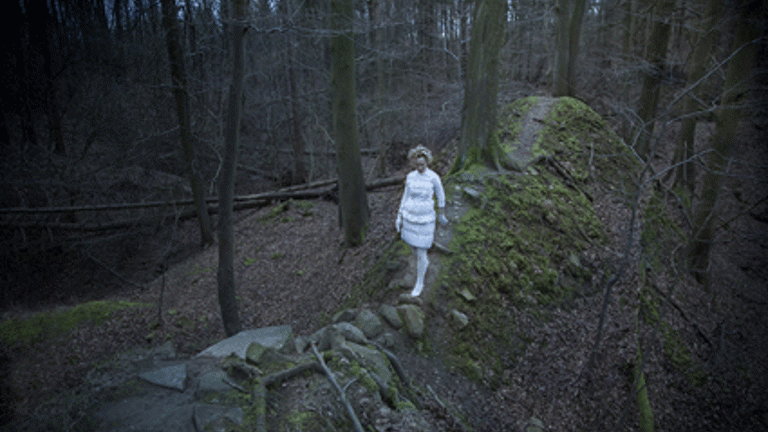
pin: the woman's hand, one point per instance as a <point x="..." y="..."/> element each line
<point x="399" y="222"/>
<point x="441" y="217"/>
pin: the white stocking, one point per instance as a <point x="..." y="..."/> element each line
<point x="421" y="270"/>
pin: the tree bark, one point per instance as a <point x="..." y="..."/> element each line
<point x="478" y="142"/>
<point x="181" y="96"/>
<point x="727" y="118"/>
<point x="300" y="174"/>
<point x="226" y="273"/>
<point x="685" y="173"/>
<point x="649" y="95"/>
<point x="353" y="200"/>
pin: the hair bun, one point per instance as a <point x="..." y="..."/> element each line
<point x="420" y="151"/>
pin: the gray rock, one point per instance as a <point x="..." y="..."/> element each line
<point x="172" y="377"/>
<point x="458" y="319"/>
<point x="347" y="315"/>
<point x="387" y="339"/>
<point x="391" y="316"/>
<point x="350" y="332"/>
<point x="371" y="359"/>
<point x="272" y="337"/>
<point x="212" y="382"/>
<point x="467" y="295"/>
<point x="263" y="356"/>
<point x="321" y="339"/>
<point x="413" y="317"/>
<point x="406" y="298"/>
<point x="369" y="323"/>
<point x="217" y="418"/>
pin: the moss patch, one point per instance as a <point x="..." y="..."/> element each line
<point x="51" y="323"/>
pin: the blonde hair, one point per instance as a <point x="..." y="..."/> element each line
<point x="417" y="152"/>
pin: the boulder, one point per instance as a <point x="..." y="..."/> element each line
<point x="347" y="315"/>
<point x="371" y="359"/>
<point x="369" y="323"/>
<point x="350" y="332"/>
<point x="264" y="356"/>
<point x="212" y="383"/>
<point x="413" y="317"/>
<point x="391" y="316"/>
<point x="272" y="337"/>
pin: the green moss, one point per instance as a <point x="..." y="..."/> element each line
<point x="375" y="286"/>
<point x="43" y="325"/>
<point x="660" y="234"/>
<point x="511" y="125"/>
<point x="304" y="420"/>
<point x="675" y="349"/>
<point x="518" y="248"/>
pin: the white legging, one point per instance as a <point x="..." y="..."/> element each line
<point x="421" y="269"/>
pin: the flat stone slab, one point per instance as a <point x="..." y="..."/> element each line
<point x="271" y="337"/>
<point x="172" y="377"/>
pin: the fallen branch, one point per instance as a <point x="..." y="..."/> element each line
<point x="296" y="192"/>
<point x="351" y="412"/>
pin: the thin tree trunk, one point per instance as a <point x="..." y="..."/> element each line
<point x="226" y="273"/>
<point x="353" y="200"/>
<point x="686" y="175"/>
<point x="478" y="143"/>
<point x="649" y="95"/>
<point x="574" y="36"/>
<point x="727" y="118"/>
<point x="181" y="95"/>
<point x="299" y="147"/>
<point x="560" y="85"/>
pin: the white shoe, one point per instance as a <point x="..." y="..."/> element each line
<point x="417" y="289"/>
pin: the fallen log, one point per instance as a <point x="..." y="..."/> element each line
<point x="306" y="191"/>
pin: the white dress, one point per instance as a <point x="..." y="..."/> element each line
<point x="418" y="208"/>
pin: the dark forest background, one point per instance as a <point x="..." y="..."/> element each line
<point x="89" y="117"/>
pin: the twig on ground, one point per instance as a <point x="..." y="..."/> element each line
<point x="351" y="412"/>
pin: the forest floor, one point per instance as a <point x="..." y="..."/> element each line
<point x="292" y="269"/>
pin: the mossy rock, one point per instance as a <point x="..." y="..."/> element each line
<point x="524" y="243"/>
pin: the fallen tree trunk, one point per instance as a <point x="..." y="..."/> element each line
<point x="307" y="191"/>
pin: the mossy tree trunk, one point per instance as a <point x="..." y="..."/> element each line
<point x="654" y="70"/>
<point x="568" y="33"/>
<point x="181" y="96"/>
<point x="685" y="174"/>
<point x="226" y="273"/>
<point x="353" y="199"/>
<point x="478" y="142"/>
<point x="726" y="119"/>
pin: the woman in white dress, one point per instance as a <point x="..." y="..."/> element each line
<point x="416" y="216"/>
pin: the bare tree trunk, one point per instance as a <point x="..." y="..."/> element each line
<point x="649" y="95"/>
<point x="226" y="274"/>
<point x="478" y="143"/>
<point x="378" y="41"/>
<point x="574" y="36"/>
<point x="353" y="200"/>
<point x="181" y="95"/>
<point x="686" y="175"/>
<point x="299" y="147"/>
<point x="727" y="118"/>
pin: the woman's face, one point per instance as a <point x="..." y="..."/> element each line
<point x="421" y="165"/>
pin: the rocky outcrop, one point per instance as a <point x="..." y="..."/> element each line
<point x="217" y="383"/>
